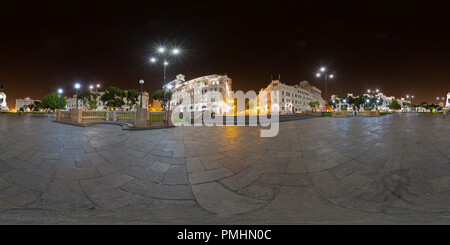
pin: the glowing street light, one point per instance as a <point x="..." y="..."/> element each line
<point x="323" y="70"/>
<point x="153" y="59"/>
<point x="77" y="86"/>
<point x="141" y="82"/>
<point x="176" y="51"/>
<point x="161" y="50"/>
<point x="91" y="87"/>
<point x="60" y="91"/>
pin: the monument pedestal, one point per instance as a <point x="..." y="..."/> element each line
<point x="4" y="109"/>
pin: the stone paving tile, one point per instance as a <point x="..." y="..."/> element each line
<point x="145" y="174"/>
<point x="103" y="167"/>
<point x="296" y="166"/>
<point x="22" y="179"/>
<point x="160" y="167"/>
<point x="261" y="191"/>
<point x="105" y="182"/>
<point x="294" y="203"/>
<point x="15" y="197"/>
<point x="194" y="165"/>
<point x="242" y="179"/>
<point x="285" y="179"/>
<point x="209" y="175"/>
<point x="216" y="199"/>
<point x="113" y="198"/>
<point x="329" y="186"/>
<point x="76" y="174"/>
<point x="176" y="174"/>
<point x="151" y="189"/>
<point x="63" y="195"/>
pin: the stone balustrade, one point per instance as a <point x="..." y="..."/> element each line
<point x="339" y="114"/>
<point x="140" y="118"/>
<point x="369" y="113"/>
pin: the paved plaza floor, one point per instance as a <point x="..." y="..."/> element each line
<point x="378" y="170"/>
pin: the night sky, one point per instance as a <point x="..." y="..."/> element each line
<point x="400" y="48"/>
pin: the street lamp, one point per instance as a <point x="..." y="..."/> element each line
<point x="164" y="56"/>
<point x="60" y="91"/>
<point x="142" y="84"/>
<point x="91" y="87"/>
<point x="77" y="86"/>
<point x="326" y="76"/>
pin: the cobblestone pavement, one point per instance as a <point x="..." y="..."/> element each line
<point x="390" y="169"/>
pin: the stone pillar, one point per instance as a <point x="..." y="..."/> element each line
<point x="76" y="115"/>
<point x="58" y="115"/>
<point x="169" y="118"/>
<point x="141" y="118"/>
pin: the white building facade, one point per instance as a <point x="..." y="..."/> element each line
<point x="71" y="102"/>
<point x="23" y="102"/>
<point x="291" y="99"/>
<point x="203" y="93"/>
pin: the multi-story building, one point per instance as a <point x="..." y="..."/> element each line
<point x="194" y="93"/>
<point x="291" y="98"/>
<point x="23" y="102"/>
<point x="386" y="100"/>
<point x="71" y="102"/>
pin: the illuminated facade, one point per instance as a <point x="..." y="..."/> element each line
<point x="71" y="102"/>
<point x="201" y="93"/>
<point x="23" y="102"/>
<point x="291" y="99"/>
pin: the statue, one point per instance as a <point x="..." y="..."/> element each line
<point x="4" y="107"/>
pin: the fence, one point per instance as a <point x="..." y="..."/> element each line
<point x="157" y="119"/>
<point x="125" y="116"/>
<point x="139" y="118"/>
<point x="94" y="116"/>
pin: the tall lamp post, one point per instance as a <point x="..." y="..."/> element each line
<point x="324" y="72"/>
<point x="142" y="84"/>
<point x="164" y="55"/>
<point x="77" y="86"/>
<point x="60" y="91"/>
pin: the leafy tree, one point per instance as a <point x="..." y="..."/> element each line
<point x="89" y="98"/>
<point x="93" y="105"/>
<point x="52" y="101"/>
<point x="132" y="97"/>
<point x="394" y="105"/>
<point x="162" y="95"/>
<point x="314" y="104"/>
<point x="358" y="102"/>
<point x="113" y="97"/>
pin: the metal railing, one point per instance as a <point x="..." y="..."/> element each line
<point x="156" y="118"/>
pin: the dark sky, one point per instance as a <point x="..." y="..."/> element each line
<point x="399" y="47"/>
